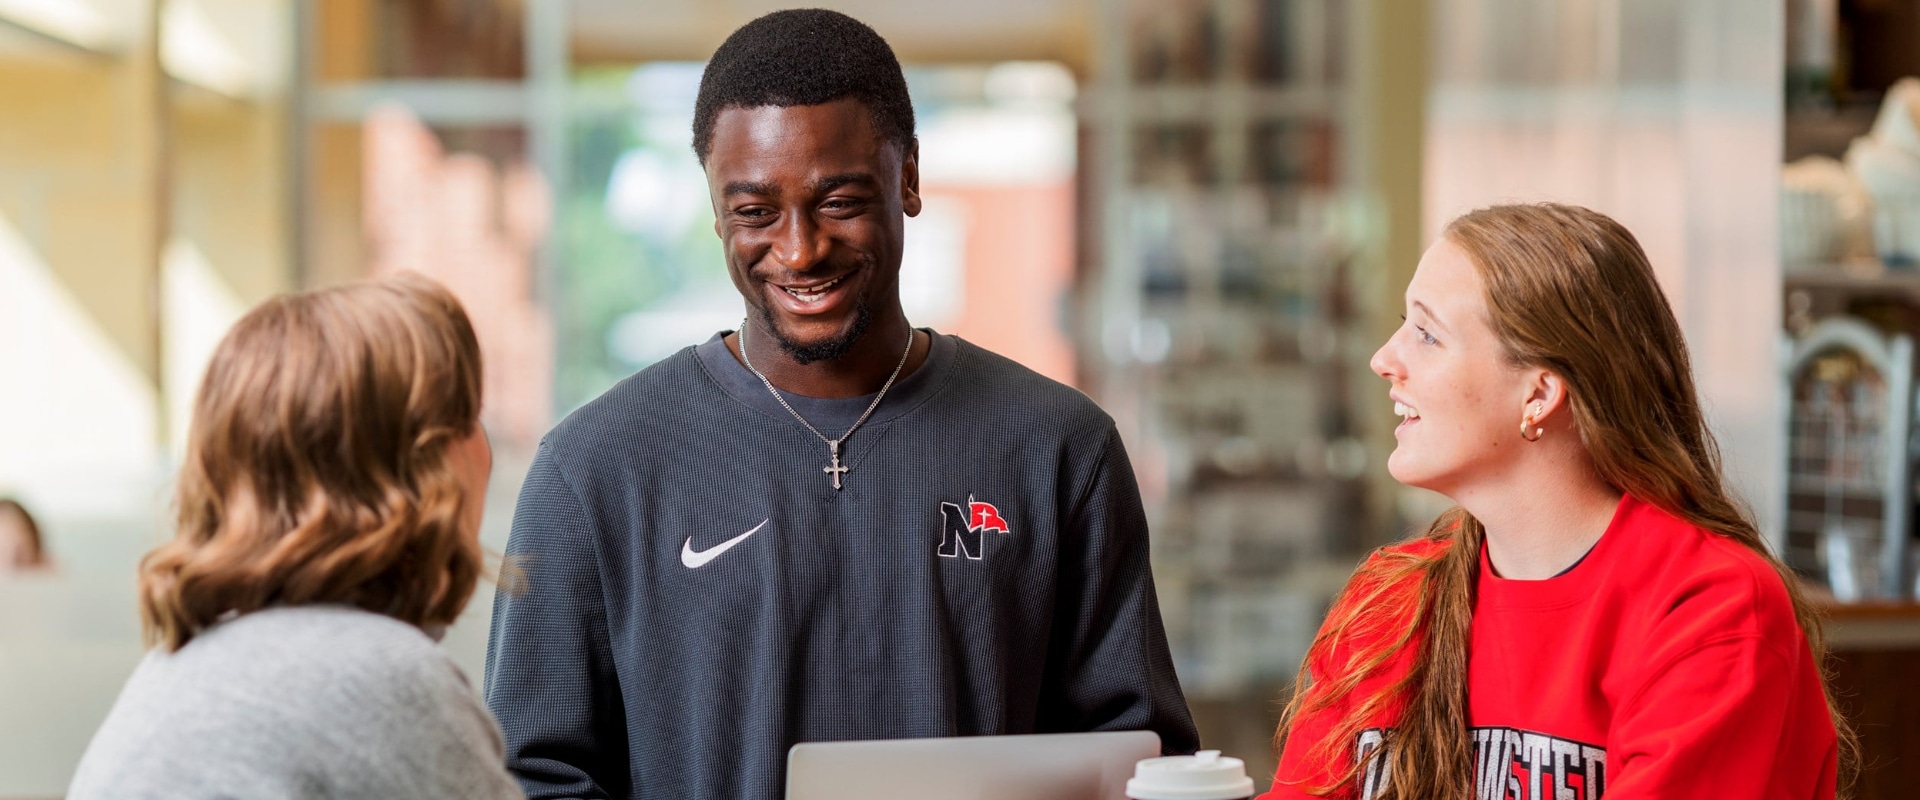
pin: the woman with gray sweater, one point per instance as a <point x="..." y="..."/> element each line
<point x="328" y="517"/>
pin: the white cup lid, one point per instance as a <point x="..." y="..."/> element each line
<point x="1205" y="775"/>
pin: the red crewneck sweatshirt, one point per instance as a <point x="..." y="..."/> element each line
<point x="1666" y="664"/>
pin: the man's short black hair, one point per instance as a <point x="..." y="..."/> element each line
<point x="804" y="57"/>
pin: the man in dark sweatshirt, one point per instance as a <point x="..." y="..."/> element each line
<point x="828" y="524"/>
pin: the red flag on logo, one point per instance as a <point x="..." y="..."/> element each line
<point x="985" y="517"/>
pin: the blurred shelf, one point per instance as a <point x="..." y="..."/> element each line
<point x="1220" y="146"/>
<point x="1854" y="278"/>
<point x="1883" y="610"/>
<point x="1207" y="102"/>
<point x="1870" y="624"/>
<point x="1825" y="131"/>
<point x="1870" y="628"/>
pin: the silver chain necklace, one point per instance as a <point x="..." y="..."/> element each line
<point x="833" y="445"/>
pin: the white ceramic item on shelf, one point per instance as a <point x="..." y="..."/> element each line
<point x="1826" y="216"/>
<point x="1887" y="163"/>
<point x="1896" y="227"/>
<point x="1898" y="123"/>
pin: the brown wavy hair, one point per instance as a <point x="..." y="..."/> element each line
<point x="1567" y="289"/>
<point x="317" y="466"/>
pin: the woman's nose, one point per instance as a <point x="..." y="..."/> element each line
<point x="1384" y="362"/>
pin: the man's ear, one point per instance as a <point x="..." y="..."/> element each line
<point x="910" y="179"/>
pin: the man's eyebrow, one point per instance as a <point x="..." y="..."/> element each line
<point x="1422" y="307"/>
<point x="748" y="187"/>
<point x="832" y="182"/>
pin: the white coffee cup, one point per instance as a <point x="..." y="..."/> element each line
<point x="1205" y="775"/>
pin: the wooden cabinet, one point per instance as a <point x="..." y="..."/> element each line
<point x="1875" y="663"/>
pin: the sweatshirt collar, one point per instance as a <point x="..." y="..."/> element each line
<point x="831" y="416"/>
<point x="1575" y="585"/>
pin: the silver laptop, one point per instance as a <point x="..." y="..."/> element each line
<point x="1059" y="766"/>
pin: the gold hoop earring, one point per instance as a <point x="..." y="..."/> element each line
<point x="1529" y="431"/>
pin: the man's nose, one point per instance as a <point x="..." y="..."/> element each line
<point x="801" y="244"/>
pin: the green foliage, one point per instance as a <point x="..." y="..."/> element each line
<point x="605" y="272"/>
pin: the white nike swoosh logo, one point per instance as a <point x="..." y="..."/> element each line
<point x="696" y="560"/>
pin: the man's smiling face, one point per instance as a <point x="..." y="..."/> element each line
<point x="810" y="205"/>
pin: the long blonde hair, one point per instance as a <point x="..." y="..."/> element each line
<point x="317" y="467"/>
<point x="1570" y="290"/>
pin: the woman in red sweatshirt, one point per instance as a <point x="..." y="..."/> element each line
<point x="1598" y="617"/>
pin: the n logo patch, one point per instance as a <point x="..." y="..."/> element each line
<point x="963" y="530"/>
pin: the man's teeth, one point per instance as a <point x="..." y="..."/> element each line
<point x="814" y="293"/>
<point x="1405" y="410"/>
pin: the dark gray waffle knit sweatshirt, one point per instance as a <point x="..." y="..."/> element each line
<point x="696" y="597"/>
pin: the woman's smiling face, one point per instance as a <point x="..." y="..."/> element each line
<point x="1460" y="397"/>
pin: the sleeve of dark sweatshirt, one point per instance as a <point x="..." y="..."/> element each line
<point x="550" y="674"/>
<point x="1108" y="667"/>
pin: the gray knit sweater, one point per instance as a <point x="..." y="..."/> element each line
<point x="306" y="702"/>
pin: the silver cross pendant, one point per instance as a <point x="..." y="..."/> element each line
<point x="836" y="470"/>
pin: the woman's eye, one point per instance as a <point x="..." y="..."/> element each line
<point x="1426" y="338"/>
